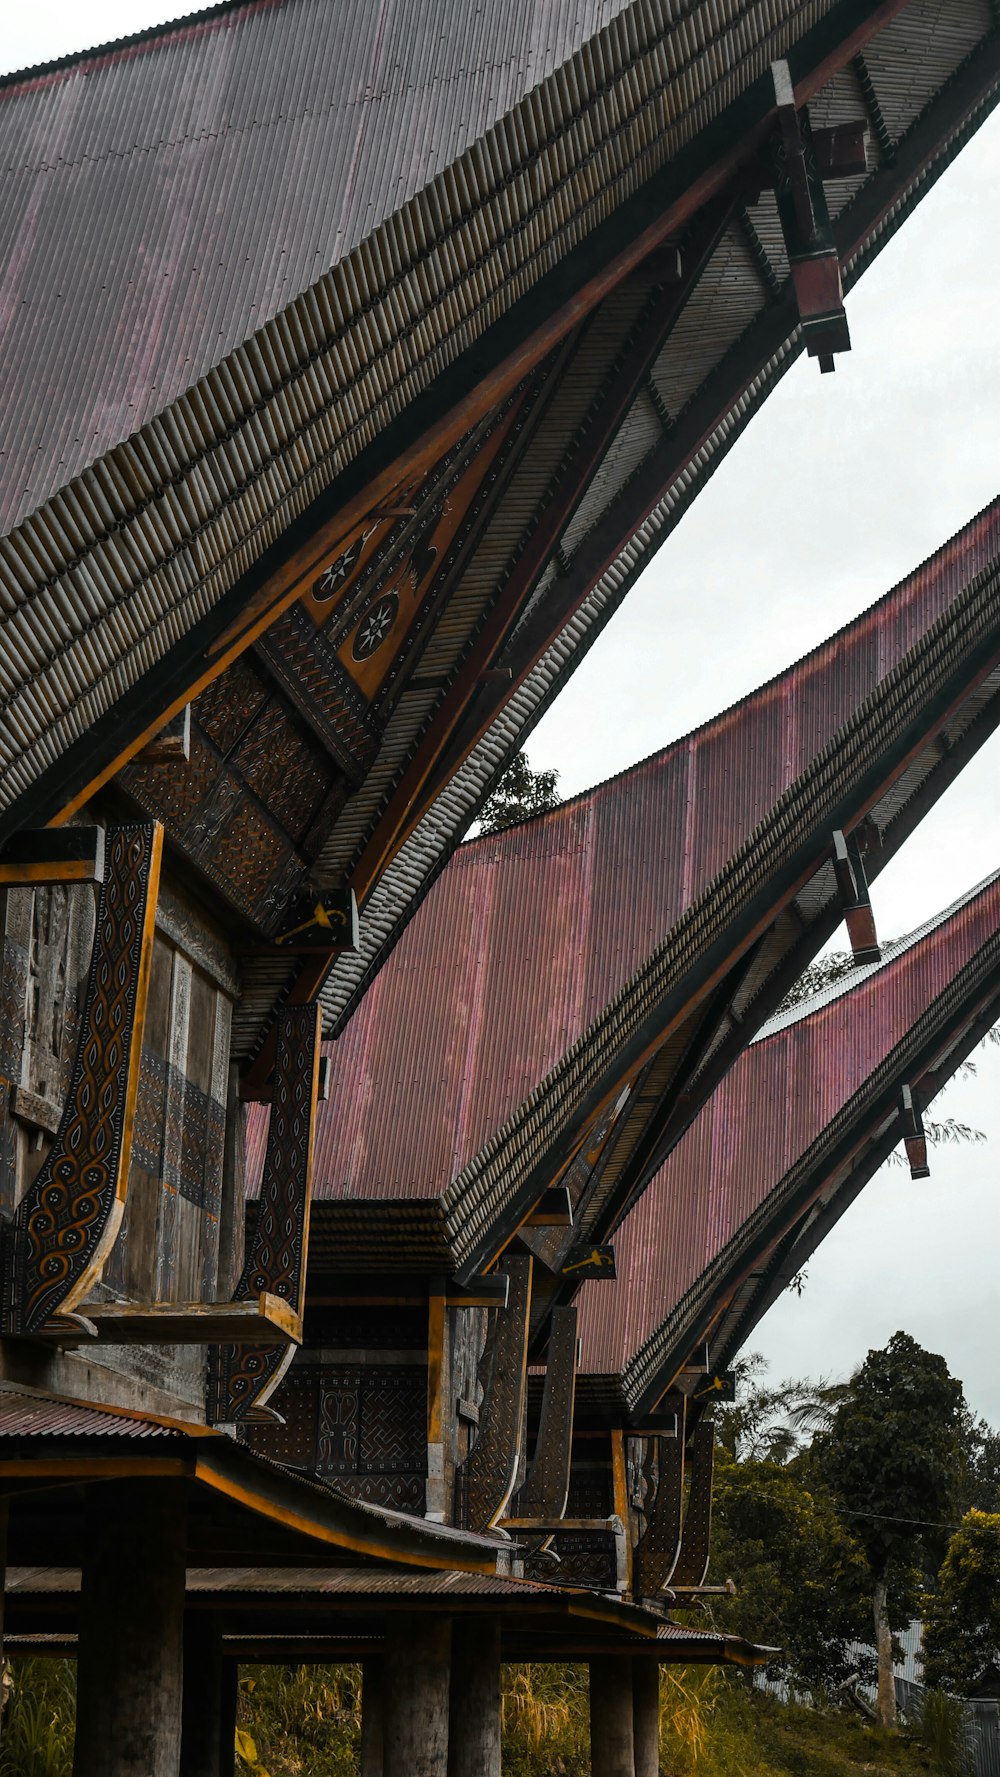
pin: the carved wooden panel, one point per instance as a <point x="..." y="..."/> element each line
<point x="586" y="1558"/>
<point x="692" y="1562"/>
<point x="658" y="1549"/>
<point x="544" y="1493"/>
<point x="66" y="1223"/>
<point x="293" y="1441"/>
<point x="242" y="1376"/>
<point x="489" y="1474"/>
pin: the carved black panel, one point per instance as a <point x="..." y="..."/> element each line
<point x="66" y="1223"/>
<point x="692" y="1562"/>
<point x="658" y="1549"/>
<point x="488" y="1476"/>
<point x="242" y="1376"/>
<point x="338" y="1439"/>
<point x="544" y="1493"/>
<point x="309" y="671"/>
<point x="586" y="1558"/>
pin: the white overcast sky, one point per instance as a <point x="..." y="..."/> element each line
<point x="839" y="487"/>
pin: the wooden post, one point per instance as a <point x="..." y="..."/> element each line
<point x="474" y="1734"/>
<point x="130" y="1660"/>
<point x="612" y="1744"/>
<point x="371" y="1718"/>
<point x="202" y="1709"/>
<point x="646" y="1715"/>
<point x="227" y="1732"/>
<point x="417" y="1686"/>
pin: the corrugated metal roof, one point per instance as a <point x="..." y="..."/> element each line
<point x="164" y="197"/>
<point x="359" y="1583"/>
<point x="23" y="1416"/>
<point x="529" y="934"/>
<point x="772" y="1106"/>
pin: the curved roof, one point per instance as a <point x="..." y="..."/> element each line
<point x="530" y="933"/>
<point x="165" y="196"/>
<point x="807" y="1067"/>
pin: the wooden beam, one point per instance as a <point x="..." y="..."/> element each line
<point x="547" y="1487"/>
<point x="489" y="1474"/>
<point x="41" y="855"/>
<point x="266" y="1321"/>
<point x="692" y="1562"/>
<point x="553" y="1210"/>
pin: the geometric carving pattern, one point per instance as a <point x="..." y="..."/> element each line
<point x="486" y="1479"/>
<point x="692" y="1562"/>
<point x="658" y="1549"/>
<point x="66" y="1223"/>
<point x="191" y="1166"/>
<point x="242" y="1376"/>
<point x="586" y="1558"/>
<point x="310" y="673"/>
<point x="372" y="1421"/>
<point x="544" y="1493"/>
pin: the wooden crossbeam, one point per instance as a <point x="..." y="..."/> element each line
<point x="266" y="1321"/>
<point x="488" y="1290"/>
<point x="554" y="1209"/>
<point x="41" y="856"/>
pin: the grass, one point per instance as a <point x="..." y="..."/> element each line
<point x="305" y="1722"/>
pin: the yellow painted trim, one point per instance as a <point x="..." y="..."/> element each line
<point x="437" y="1321"/>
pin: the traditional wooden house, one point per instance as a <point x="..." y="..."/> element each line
<point x="351" y="370"/>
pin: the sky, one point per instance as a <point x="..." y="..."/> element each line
<point x="839" y="487"/>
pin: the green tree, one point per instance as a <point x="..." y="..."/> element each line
<point x="893" y="1454"/>
<point x="519" y="794"/>
<point x="962" y="1621"/>
<point x="801" y="1575"/>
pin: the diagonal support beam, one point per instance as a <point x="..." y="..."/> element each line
<point x="66" y="1223"/>
<point x="241" y="1377"/>
<point x="692" y="1562"/>
<point x="546" y="1490"/>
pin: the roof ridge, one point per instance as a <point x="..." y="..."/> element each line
<point x="134" y="40"/>
<point x="852" y="978"/>
<point x="739" y="703"/>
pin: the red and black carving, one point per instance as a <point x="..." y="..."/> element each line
<point x="242" y="1376"/>
<point x="65" y="1225"/>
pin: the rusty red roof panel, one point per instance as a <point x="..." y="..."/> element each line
<point x="164" y="197"/>
<point x="773" y="1104"/>
<point x="529" y="933"/>
<point x="24" y="1416"/>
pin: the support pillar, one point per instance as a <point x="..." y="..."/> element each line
<point x="416" y="1693"/>
<point x="612" y="1743"/>
<point x="371" y="1718"/>
<point x="646" y="1715"/>
<point x="474" y="1733"/>
<point x="230" y="1696"/>
<point x="130" y="1659"/>
<point x="202" y="1706"/>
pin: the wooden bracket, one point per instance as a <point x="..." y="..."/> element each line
<point x="326" y="923"/>
<point x="914" y="1137"/>
<point x="43" y="856"/>
<point x="266" y="1321"/>
<point x="590" y="1261"/>
<point x="242" y="1376"/>
<point x="805" y="224"/>
<point x="692" y="1562"/>
<point x="173" y="743"/>
<point x="546" y="1489"/>
<point x="849" y="868"/>
<point x="489" y="1473"/>
<point x="718" y="1385"/>
<point x="65" y="1225"/>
